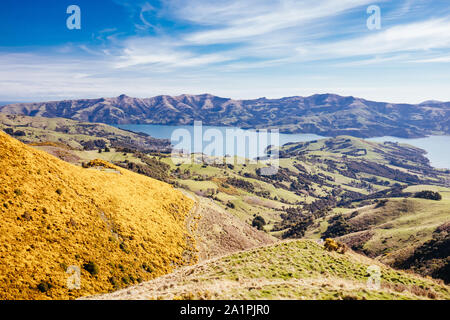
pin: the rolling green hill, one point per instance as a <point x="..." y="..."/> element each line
<point x="299" y="269"/>
<point x="395" y="230"/>
<point x="313" y="178"/>
<point x="77" y="135"/>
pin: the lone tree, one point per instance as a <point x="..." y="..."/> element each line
<point x="259" y="222"/>
<point x="338" y="227"/>
<point x="430" y="195"/>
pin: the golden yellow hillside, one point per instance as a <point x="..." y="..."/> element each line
<point x="118" y="227"/>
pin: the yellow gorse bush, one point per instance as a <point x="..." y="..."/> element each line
<point x="333" y="245"/>
<point x="53" y="215"/>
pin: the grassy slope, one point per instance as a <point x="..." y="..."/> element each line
<point x="298" y="269"/>
<point x="218" y="233"/>
<point x="393" y="231"/>
<point x="54" y="214"/>
<point x="212" y="177"/>
<point x="71" y="132"/>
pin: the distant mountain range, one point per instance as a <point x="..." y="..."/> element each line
<point x="4" y="103"/>
<point x="323" y="114"/>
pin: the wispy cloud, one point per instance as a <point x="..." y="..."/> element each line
<point x="277" y="32"/>
<point x="145" y="23"/>
<point x="419" y="37"/>
<point x="282" y="15"/>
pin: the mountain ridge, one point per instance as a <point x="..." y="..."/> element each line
<point x="324" y="114"/>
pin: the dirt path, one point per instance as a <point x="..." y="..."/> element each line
<point x="212" y="234"/>
<point x="189" y="280"/>
<point x="190" y="256"/>
<point x="218" y="232"/>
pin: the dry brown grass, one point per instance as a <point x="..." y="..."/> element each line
<point x="49" y="144"/>
<point x="225" y="188"/>
<point x="218" y="232"/>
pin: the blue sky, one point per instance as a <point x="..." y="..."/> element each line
<point x="238" y="49"/>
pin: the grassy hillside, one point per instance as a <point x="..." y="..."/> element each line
<point x="217" y="232"/>
<point x="117" y="226"/>
<point x="313" y="178"/>
<point x="392" y="229"/>
<point x="300" y="269"/>
<point x="77" y="135"/>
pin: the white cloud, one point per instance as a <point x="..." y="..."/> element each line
<point x="418" y="38"/>
<point x="245" y="24"/>
<point x="433" y="60"/>
<point x="162" y="54"/>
